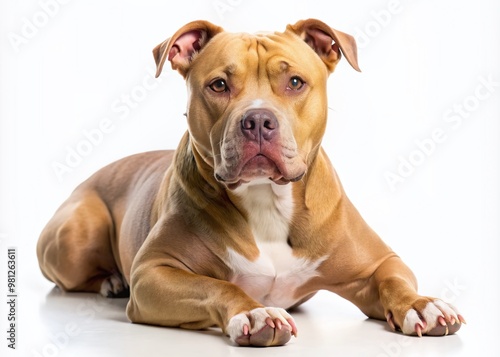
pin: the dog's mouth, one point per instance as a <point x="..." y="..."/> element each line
<point x="257" y="168"/>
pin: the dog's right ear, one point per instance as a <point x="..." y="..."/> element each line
<point x="183" y="45"/>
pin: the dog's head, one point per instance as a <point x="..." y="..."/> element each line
<point x="257" y="104"/>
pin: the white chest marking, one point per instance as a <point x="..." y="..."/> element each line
<point x="274" y="276"/>
<point x="270" y="208"/>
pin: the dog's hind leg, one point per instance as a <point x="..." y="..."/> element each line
<point x="74" y="250"/>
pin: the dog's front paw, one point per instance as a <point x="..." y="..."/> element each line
<point x="426" y="316"/>
<point x="267" y="326"/>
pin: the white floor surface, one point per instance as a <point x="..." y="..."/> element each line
<point x="78" y="324"/>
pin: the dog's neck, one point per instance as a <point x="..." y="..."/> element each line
<point x="269" y="209"/>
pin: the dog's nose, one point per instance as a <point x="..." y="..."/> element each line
<point x="259" y="124"/>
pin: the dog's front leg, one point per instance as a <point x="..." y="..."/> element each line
<point x="405" y="309"/>
<point x="163" y="292"/>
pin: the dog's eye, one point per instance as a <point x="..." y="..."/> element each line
<point x="219" y="86"/>
<point x="295" y="83"/>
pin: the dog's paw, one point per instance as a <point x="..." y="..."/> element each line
<point x="114" y="286"/>
<point x="428" y="316"/>
<point x="267" y="326"/>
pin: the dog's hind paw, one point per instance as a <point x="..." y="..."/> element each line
<point x="114" y="286"/>
<point x="268" y="326"/>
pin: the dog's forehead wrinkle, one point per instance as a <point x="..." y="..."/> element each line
<point x="264" y="59"/>
<point x="259" y="44"/>
<point x="284" y="66"/>
<point x="230" y="69"/>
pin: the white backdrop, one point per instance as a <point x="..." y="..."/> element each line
<point x="414" y="137"/>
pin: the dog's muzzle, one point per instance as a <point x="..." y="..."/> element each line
<point x="258" y="148"/>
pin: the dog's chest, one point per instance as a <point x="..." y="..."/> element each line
<point x="274" y="276"/>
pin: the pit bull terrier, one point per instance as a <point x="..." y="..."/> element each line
<point x="247" y="218"/>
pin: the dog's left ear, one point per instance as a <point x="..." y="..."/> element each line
<point x="181" y="47"/>
<point x="327" y="42"/>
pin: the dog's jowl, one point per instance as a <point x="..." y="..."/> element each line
<point x="247" y="217"/>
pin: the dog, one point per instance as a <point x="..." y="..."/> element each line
<point x="247" y="218"/>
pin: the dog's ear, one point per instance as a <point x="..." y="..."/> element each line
<point x="182" y="46"/>
<point x="327" y="42"/>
